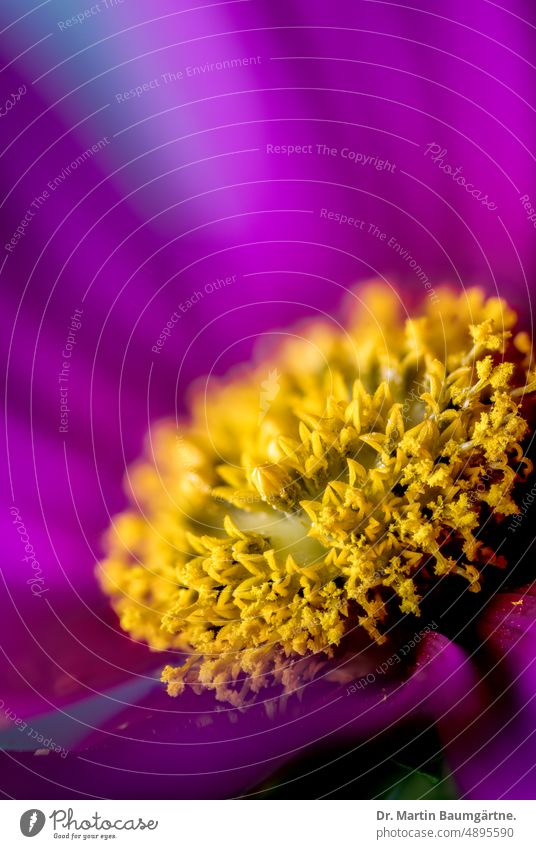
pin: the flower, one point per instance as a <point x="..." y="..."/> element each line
<point x="183" y="191"/>
<point x="384" y="466"/>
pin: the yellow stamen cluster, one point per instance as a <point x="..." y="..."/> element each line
<point x="274" y="523"/>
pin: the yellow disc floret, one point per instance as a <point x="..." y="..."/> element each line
<point x="324" y="491"/>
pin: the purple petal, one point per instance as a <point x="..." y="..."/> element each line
<point x="194" y="747"/>
<point x="494" y="757"/>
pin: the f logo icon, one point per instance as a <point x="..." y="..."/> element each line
<point x="31" y="822"/>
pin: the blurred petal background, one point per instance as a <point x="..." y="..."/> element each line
<point x="244" y="163"/>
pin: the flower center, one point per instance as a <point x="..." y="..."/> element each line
<point x="365" y="477"/>
<point x="288" y="533"/>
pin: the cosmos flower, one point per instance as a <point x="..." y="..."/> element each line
<point x="289" y="538"/>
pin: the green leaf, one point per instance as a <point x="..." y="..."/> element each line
<point x="405" y="782"/>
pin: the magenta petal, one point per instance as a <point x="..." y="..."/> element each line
<point x="55" y="653"/>
<point x="495" y="757"/>
<point x="60" y="639"/>
<point x="195" y="747"/>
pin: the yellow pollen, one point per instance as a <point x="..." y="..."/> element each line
<point x="274" y="523"/>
